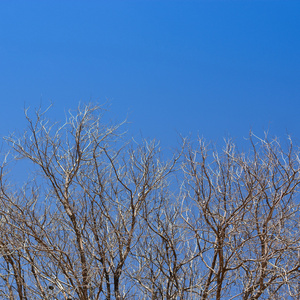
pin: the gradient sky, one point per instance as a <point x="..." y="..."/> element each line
<point x="213" y="68"/>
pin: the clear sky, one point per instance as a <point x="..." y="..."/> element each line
<point x="214" y="68"/>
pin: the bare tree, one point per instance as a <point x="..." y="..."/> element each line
<point x="244" y="215"/>
<point x="77" y="240"/>
<point x="103" y="218"/>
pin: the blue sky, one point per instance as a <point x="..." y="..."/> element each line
<point x="213" y="68"/>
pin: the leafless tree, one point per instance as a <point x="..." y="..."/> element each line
<point x="76" y="241"/>
<point x="244" y="212"/>
<point x="103" y="218"/>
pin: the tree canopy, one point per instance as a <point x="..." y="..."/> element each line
<point x="105" y="217"/>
